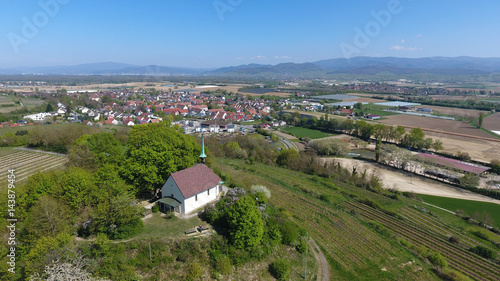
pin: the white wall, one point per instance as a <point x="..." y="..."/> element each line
<point x="190" y="204"/>
<point x="170" y="187"/>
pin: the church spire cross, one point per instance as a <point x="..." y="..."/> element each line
<point x="203" y="155"/>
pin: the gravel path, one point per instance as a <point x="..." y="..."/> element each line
<point x="323" y="270"/>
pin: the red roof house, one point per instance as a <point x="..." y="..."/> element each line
<point x="190" y="189"/>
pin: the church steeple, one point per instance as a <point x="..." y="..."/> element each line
<point x="203" y="155"/>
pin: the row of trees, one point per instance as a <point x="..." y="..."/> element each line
<point x="415" y="138"/>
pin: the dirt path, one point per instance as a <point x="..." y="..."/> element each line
<point x="323" y="270"/>
<point x="404" y="182"/>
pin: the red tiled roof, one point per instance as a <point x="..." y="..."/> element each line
<point x="195" y="180"/>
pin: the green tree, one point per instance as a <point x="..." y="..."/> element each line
<point x="49" y="107"/>
<point x="232" y="149"/>
<point x="495" y="166"/>
<point x="48" y="217"/>
<point x="245" y="223"/>
<point x="427" y="143"/>
<point x="437" y="145"/>
<point x="414" y="138"/>
<point x="156" y="151"/>
<point x="287" y="157"/>
<point x="378" y="149"/>
<point x="481" y="119"/>
<point x="96" y="150"/>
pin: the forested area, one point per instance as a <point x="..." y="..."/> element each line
<point x="97" y="194"/>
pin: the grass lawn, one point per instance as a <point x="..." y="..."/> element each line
<point x="304" y="132"/>
<point x="157" y="227"/>
<point x="470" y="207"/>
<point x="255" y="122"/>
<point x="375" y="109"/>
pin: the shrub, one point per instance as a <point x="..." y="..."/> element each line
<point x="437" y="260"/>
<point x="280" y="269"/>
<point x="480" y="234"/>
<point x="194" y="272"/>
<point x="223" y="265"/>
<point x="483" y="252"/>
<point x="453" y="239"/>
<point x="155" y="208"/>
<point x="301" y="247"/>
<point x="326" y="198"/>
<point x="125" y="231"/>
<point x="289" y="232"/>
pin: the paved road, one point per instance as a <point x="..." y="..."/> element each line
<point x="288" y="144"/>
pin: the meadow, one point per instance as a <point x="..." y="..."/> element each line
<point x="470" y="207"/>
<point x="300" y="132"/>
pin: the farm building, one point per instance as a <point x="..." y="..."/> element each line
<point x="424" y="109"/>
<point x="190" y="189"/>
<point x="454" y="164"/>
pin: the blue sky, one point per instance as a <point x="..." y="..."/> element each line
<point x="215" y="33"/>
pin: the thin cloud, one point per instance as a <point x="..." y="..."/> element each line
<point x="282" y="57"/>
<point x="403" y="48"/>
<point x="418" y="35"/>
<point x="259" y="57"/>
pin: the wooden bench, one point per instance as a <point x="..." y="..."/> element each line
<point x="190" y="231"/>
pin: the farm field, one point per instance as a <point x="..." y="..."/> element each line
<point x="361" y="242"/>
<point x="352" y="248"/>
<point x="27" y="163"/>
<point x="492" y="122"/>
<point x="435" y="124"/>
<point x="480" y="150"/>
<point x="300" y="132"/>
<point x="447" y="97"/>
<point x="375" y="109"/>
<point x="455" y="111"/>
<point x="470" y="207"/>
<point x="6" y="104"/>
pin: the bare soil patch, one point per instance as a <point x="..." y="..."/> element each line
<point x="492" y="122"/>
<point x="440" y="125"/>
<point x="446" y="97"/>
<point x="456" y="111"/>
<point x="404" y="182"/>
<point x="481" y="150"/>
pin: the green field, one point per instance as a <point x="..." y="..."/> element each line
<point x="375" y="109"/>
<point x="300" y="132"/>
<point x="470" y="207"/>
<point x="8" y="103"/>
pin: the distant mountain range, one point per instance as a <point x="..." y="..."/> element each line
<point x="323" y="68"/>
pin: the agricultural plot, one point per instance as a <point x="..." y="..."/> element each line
<point x="492" y="122"/>
<point x="450" y="111"/>
<point x="27" y="162"/>
<point x="470" y="207"/>
<point x="354" y="250"/>
<point x="6" y="104"/>
<point x="31" y="102"/>
<point x="418" y="229"/>
<point x="445" y="126"/>
<point x="300" y="132"/>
